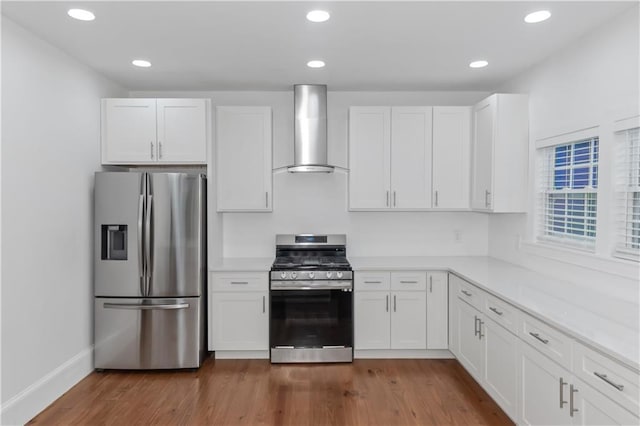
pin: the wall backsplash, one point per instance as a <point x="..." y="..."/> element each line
<point x="317" y="203"/>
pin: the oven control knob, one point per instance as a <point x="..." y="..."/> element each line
<point x="283" y="275"/>
<point x="311" y="274"/>
<point x="339" y="274"/>
<point x="329" y="274"/>
<point x="294" y="275"/>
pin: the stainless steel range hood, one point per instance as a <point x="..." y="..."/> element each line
<point x="310" y="129"/>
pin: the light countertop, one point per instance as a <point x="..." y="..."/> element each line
<point x="601" y="320"/>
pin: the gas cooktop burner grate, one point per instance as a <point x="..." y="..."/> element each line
<point x="305" y="262"/>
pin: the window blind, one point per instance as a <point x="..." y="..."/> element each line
<point x="628" y="195"/>
<point x="568" y="193"/>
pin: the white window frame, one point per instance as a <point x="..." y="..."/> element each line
<point x="544" y="190"/>
<point x="627" y="175"/>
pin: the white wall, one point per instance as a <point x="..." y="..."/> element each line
<point x="592" y="82"/>
<point x="50" y="149"/>
<point x="318" y="202"/>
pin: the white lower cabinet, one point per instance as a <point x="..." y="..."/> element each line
<point x="409" y="320"/>
<point x="241" y="321"/>
<point x="593" y="408"/>
<point x="437" y="310"/>
<point x="470" y="346"/>
<point x="500" y="369"/>
<point x="544" y="389"/>
<point x="390" y="310"/>
<point x="238" y="311"/>
<point x="372" y="320"/>
<point x="390" y="320"/>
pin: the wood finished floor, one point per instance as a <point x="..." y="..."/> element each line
<point x="254" y="392"/>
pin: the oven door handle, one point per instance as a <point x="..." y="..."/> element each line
<point x="292" y="285"/>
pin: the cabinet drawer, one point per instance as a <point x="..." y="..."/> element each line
<point x="471" y="294"/>
<point x="372" y="281"/>
<point x="502" y="313"/>
<point x="547" y="340"/>
<point x="239" y="281"/>
<point x="416" y="281"/>
<point x="607" y="376"/>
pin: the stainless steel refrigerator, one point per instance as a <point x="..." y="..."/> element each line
<point x="150" y="270"/>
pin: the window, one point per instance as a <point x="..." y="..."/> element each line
<point x="628" y="189"/>
<point x="568" y="193"/>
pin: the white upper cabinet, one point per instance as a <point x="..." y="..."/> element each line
<point x="500" y="154"/>
<point x="411" y="157"/>
<point x="151" y="131"/>
<point x="369" y="157"/>
<point x="128" y="131"/>
<point x="390" y="158"/>
<point x="243" y="158"/>
<point x="451" y="157"/>
<point x="182" y="130"/>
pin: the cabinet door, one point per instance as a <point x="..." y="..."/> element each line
<point x="182" y="130"/>
<point x="470" y="350"/>
<point x="243" y="147"/>
<point x="409" y="320"/>
<point x="372" y="320"/>
<point x="369" y="157"/>
<point x="453" y="315"/>
<point x="128" y="131"/>
<point x="411" y="129"/>
<point x="451" y="162"/>
<point x="544" y="389"/>
<point x="595" y="409"/>
<point x="483" y="134"/>
<point x="437" y="311"/>
<point x="239" y="321"/>
<point x="501" y="366"/>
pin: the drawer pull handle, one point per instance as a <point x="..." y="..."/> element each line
<point x="537" y="336"/>
<point x="373" y="282"/>
<point x="606" y="379"/>
<point x="466" y="293"/>
<point x="239" y="282"/>
<point x="408" y="282"/>
<point x="496" y="311"/>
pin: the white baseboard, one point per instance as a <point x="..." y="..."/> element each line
<point x="27" y="404"/>
<point x="241" y="354"/>
<point x="402" y="354"/>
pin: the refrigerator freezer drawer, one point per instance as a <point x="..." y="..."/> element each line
<point x="141" y="334"/>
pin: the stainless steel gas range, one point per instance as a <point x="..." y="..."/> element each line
<point x="311" y="294"/>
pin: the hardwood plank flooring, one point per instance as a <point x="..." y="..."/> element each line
<point x="255" y="392"/>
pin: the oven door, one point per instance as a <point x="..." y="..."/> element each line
<point x="311" y="317"/>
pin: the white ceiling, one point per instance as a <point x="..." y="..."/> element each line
<point x="265" y="45"/>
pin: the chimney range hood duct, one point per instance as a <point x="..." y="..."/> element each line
<point x="310" y="129"/>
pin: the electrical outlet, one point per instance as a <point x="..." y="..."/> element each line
<point x="457" y="236"/>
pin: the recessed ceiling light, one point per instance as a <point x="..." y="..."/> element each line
<point x="539" y="16"/>
<point x="81" y="14"/>
<point x="315" y="64"/>
<point x="141" y="63"/>
<point x="478" y="64"/>
<point x="318" y="16"/>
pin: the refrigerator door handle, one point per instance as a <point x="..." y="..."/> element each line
<point x="147" y="244"/>
<point x="140" y="220"/>
<point x="145" y="307"/>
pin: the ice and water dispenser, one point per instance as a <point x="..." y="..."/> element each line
<point x="114" y="242"/>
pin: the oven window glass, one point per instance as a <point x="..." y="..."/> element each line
<point x="311" y="318"/>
